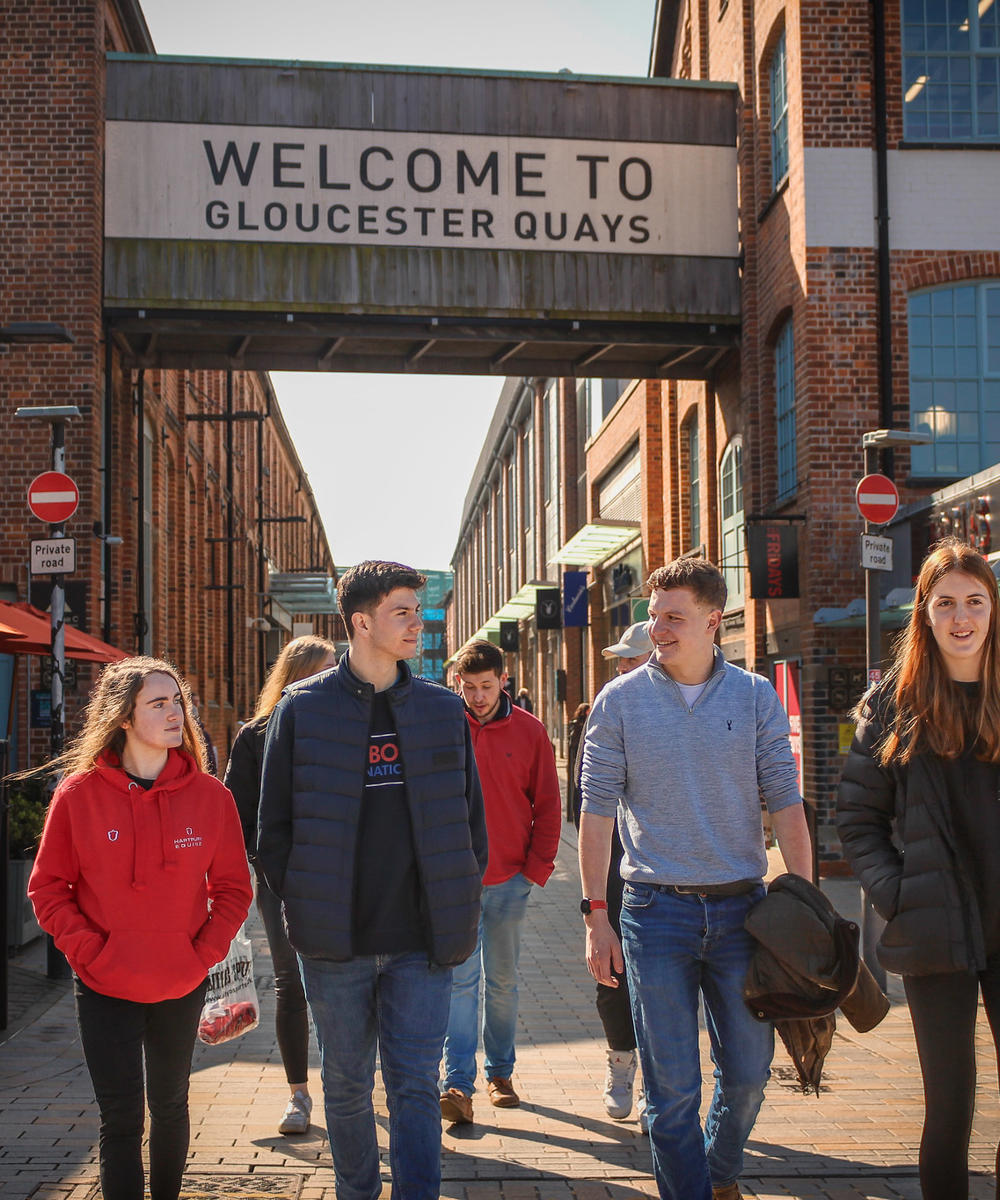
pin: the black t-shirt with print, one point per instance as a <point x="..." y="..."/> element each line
<point x="387" y="901"/>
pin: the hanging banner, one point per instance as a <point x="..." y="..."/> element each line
<point x="774" y="561"/>
<point x="575" y="609"/>
<point x="548" y="609"/>
<point x="509" y="639"/>
<point x="786" y="684"/>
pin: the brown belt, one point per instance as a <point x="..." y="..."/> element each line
<point x="738" y="887"/>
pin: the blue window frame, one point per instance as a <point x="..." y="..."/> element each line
<point x="954" y="336"/>
<point x="784" y="411"/>
<point x="779" y="113"/>
<point x="951" y="70"/>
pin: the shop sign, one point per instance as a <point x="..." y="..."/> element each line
<point x="786" y="684"/>
<point x="548" y="608"/>
<point x="575" y="609"/>
<point x="509" y="637"/>
<point x="773" y="550"/>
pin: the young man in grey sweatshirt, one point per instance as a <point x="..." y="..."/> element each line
<point x="688" y="745"/>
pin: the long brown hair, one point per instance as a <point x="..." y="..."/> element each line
<point x="112" y="702"/>
<point x="299" y="659"/>
<point x="932" y="713"/>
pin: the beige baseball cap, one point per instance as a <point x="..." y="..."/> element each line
<point x="634" y="641"/>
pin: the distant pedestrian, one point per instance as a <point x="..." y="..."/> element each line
<point x="614" y="1006"/>
<point x="210" y="751"/>
<point x="682" y="750"/>
<point x="574" y="740"/>
<point x="300" y="658"/>
<point x="372" y="833"/>
<point x="919" y="819"/>
<point x="523" y="700"/>
<point x="141" y="878"/>
<point x="523" y="817"/>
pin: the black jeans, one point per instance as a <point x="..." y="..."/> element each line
<point x="117" y="1035"/>
<point x="944" y="1009"/>
<point x="291" y="1016"/>
<point x="613" y="1004"/>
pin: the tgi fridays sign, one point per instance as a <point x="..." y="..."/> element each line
<point x="365" y="187"/>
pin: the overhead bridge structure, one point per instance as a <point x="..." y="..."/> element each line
<point x="299" y="216"/>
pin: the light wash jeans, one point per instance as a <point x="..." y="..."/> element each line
<point x="494" y="958"/>
<point x="676" y="946"/>
<point x="398" y="1002"/>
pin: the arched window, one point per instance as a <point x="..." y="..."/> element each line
<point x="732" y="527"/>
<point x="694" y="481"/>
<point x="784" y="411"/>
<point x="954" y="338"/>
<point x="951" y="70"/>
<point x="778" y="76"/>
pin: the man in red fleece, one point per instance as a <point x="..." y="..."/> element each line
<point x="523" y="815"/>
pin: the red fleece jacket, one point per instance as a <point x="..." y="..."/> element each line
<point x="123" y="878"/>
<point x="517" y="770"/>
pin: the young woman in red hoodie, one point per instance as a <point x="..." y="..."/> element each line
<point x="142" y="880"/>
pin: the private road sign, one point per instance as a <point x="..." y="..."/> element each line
<point x="877" y="499"/>
<point x="53" y="497"/>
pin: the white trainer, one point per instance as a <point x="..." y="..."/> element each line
<point x="618" y="1083"/>
<point x="640" y="1105"/>
<point x="296" y="1118"/>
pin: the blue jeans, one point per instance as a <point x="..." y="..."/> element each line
<point x="495" y="957"/>
<point x="676" y="946"/>
<point x="398" y="1002"/>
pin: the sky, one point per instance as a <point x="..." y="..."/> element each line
<point x="390" y="457"/>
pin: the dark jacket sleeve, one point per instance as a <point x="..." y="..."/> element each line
<point x="866" y="806"/>
<point x="243" y="780"/>
<point x="474" y="798"/>
<point x="274" y="827"/>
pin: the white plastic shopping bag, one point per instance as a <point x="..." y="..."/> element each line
<point x="231" y="1006"/>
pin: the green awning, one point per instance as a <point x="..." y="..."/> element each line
<point x="303" y="592"/>
<point x="517" y="608"/>
<point x="595" y="542"/>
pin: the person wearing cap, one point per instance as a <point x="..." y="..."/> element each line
<point x="631" y="650"/>
<point x="682" y="751"/>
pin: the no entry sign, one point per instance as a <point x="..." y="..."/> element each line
<point x="877" y="499"/>
<point x="53" y="497"/>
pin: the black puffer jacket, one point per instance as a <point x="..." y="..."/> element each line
<point x="243" y="777"/>
<point x="895" y="826"/>
<point x="315" y="757"/>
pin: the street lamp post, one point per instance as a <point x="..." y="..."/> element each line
<point x="871" y="443"/>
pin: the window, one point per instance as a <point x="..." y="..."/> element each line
<point x="602" y="395"/>
<point x="732" y="527"/>
<point x="784" y="411"/>
<point x="779" y="113"/>
<point x="694" y="482"/>
<point x="148" y="548"/>
<point x="955" y="378"/>
<point x="951" y="70"/>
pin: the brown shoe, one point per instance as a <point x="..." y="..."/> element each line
<point x="502" y="1094"/>
<point x="456" y="1107"/>
<point x="726" y="1191"/>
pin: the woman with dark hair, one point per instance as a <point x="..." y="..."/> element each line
<point x="299" y="659"/>
<point x="919" y="819"/>
<point x="142" y="880"/>
<point x="578" y="723"/>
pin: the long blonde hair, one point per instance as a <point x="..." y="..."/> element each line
<point x="299" y="659"/>
<point x="112" y="702"/>
<point x="932" y="714"/>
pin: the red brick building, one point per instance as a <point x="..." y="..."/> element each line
<point x="223" y="554"/>
<point x="870" y="297"/>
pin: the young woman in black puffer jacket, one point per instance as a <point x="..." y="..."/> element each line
<point x="919" y="819"/>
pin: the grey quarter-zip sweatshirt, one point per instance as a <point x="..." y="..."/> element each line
<point x="689" y="779"/>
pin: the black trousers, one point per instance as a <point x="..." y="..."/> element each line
<point x="118" y="1037"/>
<point x="613" y="1004"/>
<point x="944" y="1009"/>
<point x="291" y="1016"/>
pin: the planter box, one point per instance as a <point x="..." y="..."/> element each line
<point x="22" y="927"/>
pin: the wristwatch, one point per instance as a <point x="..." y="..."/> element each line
<point x="588" y="906"/>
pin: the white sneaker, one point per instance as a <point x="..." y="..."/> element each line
<point x="296" y="1118"/>
<point x="618" y="1083"/>
<point x="640" y="1105"/>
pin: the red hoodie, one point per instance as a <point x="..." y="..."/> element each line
<point x="123" y="878"/>
<point x="517" y="770"/>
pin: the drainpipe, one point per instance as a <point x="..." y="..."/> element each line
<point x="882" y="224"/>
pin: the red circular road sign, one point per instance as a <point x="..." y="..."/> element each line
<point x="877" y="499"/>
<point x="53" y="497"/>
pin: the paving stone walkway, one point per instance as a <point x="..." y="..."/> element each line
<point x="856" y="1141"/>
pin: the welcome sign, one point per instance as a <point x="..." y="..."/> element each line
<point x="383" y="187"/>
